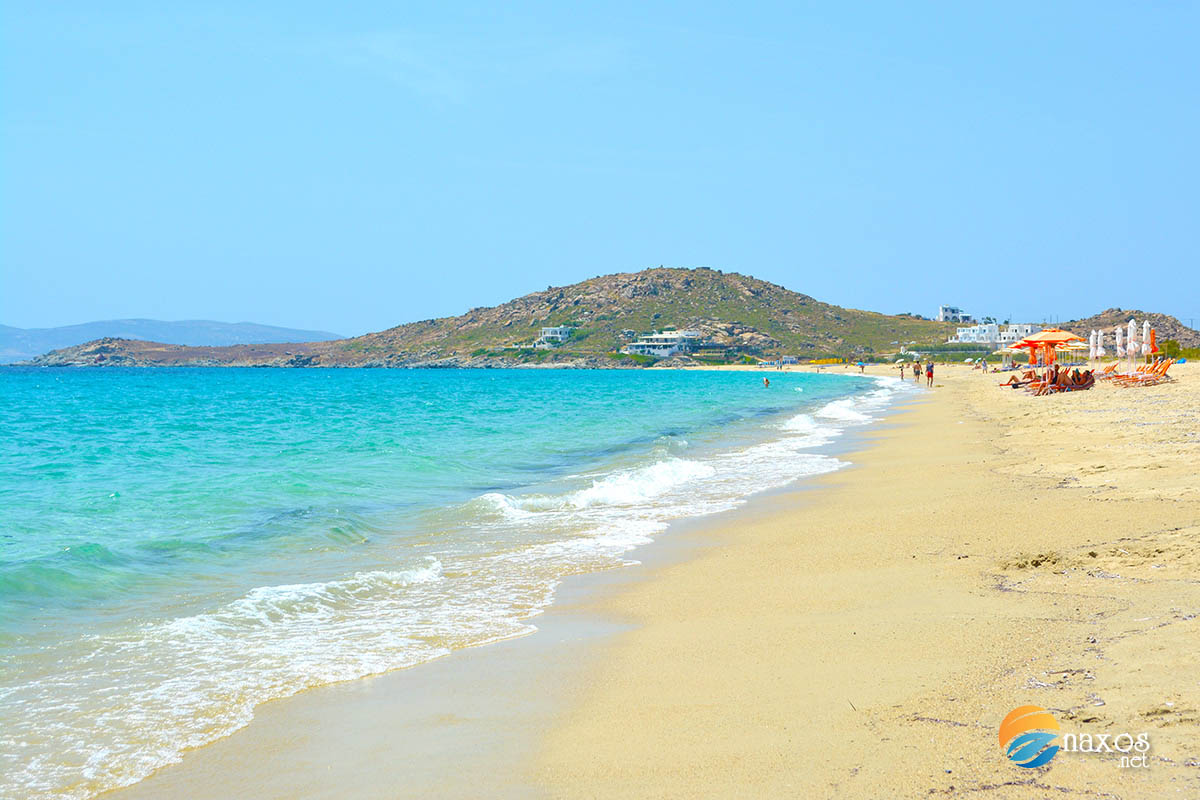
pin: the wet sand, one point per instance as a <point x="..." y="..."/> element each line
<point x="987" y="550"/>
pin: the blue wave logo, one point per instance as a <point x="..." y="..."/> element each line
<point x="1028" y="735"/>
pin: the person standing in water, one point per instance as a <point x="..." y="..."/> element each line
<point x="929" y="373"/>
<point x="901" y="370"/>
<point x="766" y="383"/>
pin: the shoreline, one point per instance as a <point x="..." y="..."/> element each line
<point x="344" y="706"/>
<point x="720" y="665"/>
<point x="988" y="556"/>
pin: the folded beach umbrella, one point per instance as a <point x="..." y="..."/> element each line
<point x="1120" y="342"/>
<point x="1147" y="345"/>
<point x="1153" y="340"/>
<point x="1092" y="344"/>
<point x="1131" y="344"/>
<point x="1100" y="344"/>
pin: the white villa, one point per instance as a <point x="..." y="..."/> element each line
<point x="552" y="337"/>
<point x="985" y="333"/>
<point x="663" y="344"/>
<point x="953" y="314"/>
<point x="991" y="335"/>
<point x="1015" y="333"/>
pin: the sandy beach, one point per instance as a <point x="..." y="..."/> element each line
<point x="987" y="550"/>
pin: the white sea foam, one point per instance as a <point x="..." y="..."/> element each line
<point x="843" y="411"/>
<point x="183" y="682"/>
<point x="862" y="408"/>
<point x="640" y="485"/>
<point x="801" y="423"/>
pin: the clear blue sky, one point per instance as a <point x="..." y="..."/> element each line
<point x="350" y="166"/>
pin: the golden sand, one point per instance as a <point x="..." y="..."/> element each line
<point x="987" y="550"/>
<point x="990" y="550"/>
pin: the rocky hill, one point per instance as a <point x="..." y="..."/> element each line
<point x="738" y="314"/>
<point x="1165" y="326"/>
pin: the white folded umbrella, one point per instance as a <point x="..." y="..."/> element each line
<point x="1146" y="338"/>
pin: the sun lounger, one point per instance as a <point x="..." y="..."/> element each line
<point x="1157" y="374"/>
<point x="1067" y="381"/>
<point x="1025" y="379"/>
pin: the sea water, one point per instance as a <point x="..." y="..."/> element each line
<point x="180" y="545"/>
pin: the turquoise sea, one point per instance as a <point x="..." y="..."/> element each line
<point x="180" y="545"/>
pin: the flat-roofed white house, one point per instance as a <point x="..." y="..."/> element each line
<point x="953" y="314"/>
<point x="984" y="333"/>
<point x="1015" y="333"/>
<point x="663" y="344"/>
<point x="990" y="334"/>
<point x="552" y="337"/>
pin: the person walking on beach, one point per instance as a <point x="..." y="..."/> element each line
<point x="929" y="373"/>
<point x="901" y="370"/>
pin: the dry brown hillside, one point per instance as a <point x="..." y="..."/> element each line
<point x="739" y="314"/>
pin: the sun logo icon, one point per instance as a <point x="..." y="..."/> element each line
<point x="1028" y="736"/>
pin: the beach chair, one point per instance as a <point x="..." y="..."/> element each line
<point x="1140" y="372"/>
<point x="1068" y="381"/>
<point x="1086" y="380"/>
<point x="1026" y="377"/>
<point x="1043" y="385"/>
<point x="1148" y="378"/>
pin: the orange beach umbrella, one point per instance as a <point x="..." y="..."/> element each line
<point x="1044" y="342"/>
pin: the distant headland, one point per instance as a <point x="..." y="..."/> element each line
<point x="19" y="344"/>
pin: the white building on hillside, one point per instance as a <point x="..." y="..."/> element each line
<point x="664" y="344"/>
<point x="1015" y="333"/>
<point x="990" y="334"/>
<point x="953" y="314"/>
<point x="552" y="337"/>
<point x="984" y="333"/>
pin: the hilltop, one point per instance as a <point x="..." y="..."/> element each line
<point x="738" y="314"/>
<point x="1165" y="326"/>
<point x="17" y="344"/>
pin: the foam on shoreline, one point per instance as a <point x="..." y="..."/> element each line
<point x="197" y="678"/>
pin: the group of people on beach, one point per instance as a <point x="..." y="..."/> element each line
<point x="916" y="368"/>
